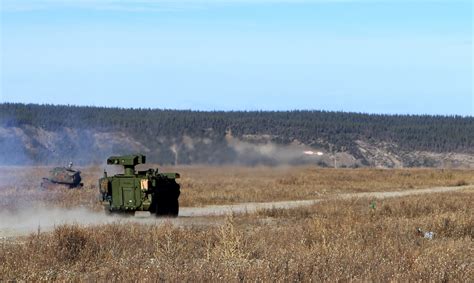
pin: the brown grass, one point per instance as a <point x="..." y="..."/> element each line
<point x="227" y="185"/>
<point x="334" y="240"/>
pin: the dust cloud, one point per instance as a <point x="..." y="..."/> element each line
<point x="45" y="219"/>
<point x="39" y="220"/>
<point x="269" y="153"/>
<point x="32" y="220"/>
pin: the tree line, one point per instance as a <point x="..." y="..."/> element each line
<point x="318" y="128"/>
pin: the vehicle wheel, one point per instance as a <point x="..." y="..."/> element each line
<point x="174" y="208"/>
<point x="167" y="205"/>
<point x="162" y="208"/>
<point x="153" y="205"/>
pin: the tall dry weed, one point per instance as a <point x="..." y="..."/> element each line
<point x="230" y="242"/>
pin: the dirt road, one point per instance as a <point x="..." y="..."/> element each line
<point x="213" y="210"/>
<point x="45" y="219"/>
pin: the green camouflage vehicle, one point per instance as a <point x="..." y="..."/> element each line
<point x="63" y="176"/>
<point x="132" y="191"/>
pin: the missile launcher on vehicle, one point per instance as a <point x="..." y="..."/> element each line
<point x="148" y="190"/>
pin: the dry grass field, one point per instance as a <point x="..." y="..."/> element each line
<point x="333" y="240"/>
<point x="336" y="240"/>
<point x="227" y="185"/>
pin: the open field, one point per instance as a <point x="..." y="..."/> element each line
<point x="334" y="239"/>
<point x="227" y="185"/>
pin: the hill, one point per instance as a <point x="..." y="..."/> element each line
<point x="48" y="134"/>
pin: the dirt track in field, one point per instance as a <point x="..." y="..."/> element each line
<point x="45" y="219"/>
<point x="214" y="210"/>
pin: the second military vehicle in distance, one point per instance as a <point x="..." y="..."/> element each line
<point x="63" y="177"/>
<point x="148" y="190"/>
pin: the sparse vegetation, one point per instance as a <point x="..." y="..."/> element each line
<point x="334" y="240"/>
<point x="360" y="240"/>
<point x="203" y="185"/>
<point x="225" y="185"/>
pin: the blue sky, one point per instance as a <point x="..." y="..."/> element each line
<point x="355" y="55"/>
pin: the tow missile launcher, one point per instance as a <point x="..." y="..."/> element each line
<point x="132" y="191"/>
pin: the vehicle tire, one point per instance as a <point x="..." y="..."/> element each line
<point x="174" y="199"/>
<point x="174" y="208"/>
<point x="154" y="204"/>
<point x="162" y="208"/>
<point x="167" y="205"/>
<point x="166" y="200"/>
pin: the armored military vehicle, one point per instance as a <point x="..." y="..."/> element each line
<point x="63" y="176"/>
<point x="148" y="190"/>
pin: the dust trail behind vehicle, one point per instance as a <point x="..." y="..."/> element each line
<point x="44" y="219"/>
